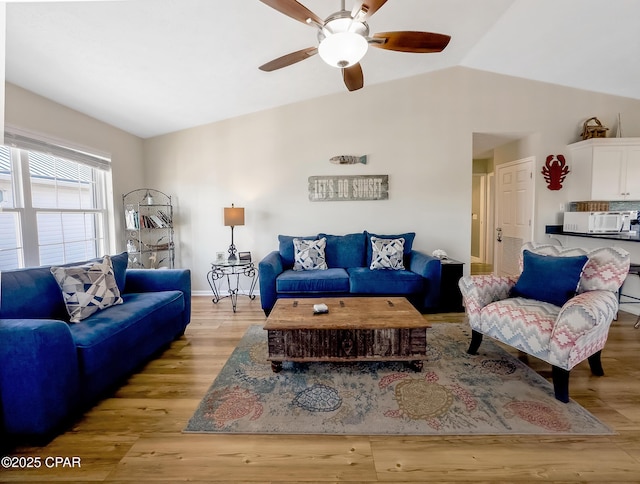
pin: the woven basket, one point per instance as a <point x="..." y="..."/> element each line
<point x="592" y="128"/>
<point x="592" y="206"/>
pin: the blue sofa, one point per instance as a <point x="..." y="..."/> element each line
<point x="348" y="258"/>
<point x="52" y="370"/>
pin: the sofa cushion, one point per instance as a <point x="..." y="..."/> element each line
<point x="309" y="255"/>
<point x="408" y="244"/>
<point x="366" y="281"/>
<point x="330" y="280"/>
<point x="34" y="293"/>
<point x="548" y="278"/>
<point x="387" y="253"/>
<point x="31" y="293"/>
<point x="286" y="249"/>
<point x="87" y="288"/>
<point x="345" y="250"/>
<point x="107" y="337"/>
<point x="119" y="263"/>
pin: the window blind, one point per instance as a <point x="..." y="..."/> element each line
<point x="57" y="149"/>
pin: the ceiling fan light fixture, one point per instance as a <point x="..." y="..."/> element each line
<point x="343" y="49"/>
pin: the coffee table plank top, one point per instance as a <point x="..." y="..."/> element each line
<point x="345" y="313"/>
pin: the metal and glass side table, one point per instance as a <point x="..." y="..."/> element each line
<point x="230" y="271"/>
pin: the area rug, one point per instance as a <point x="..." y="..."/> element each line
<point x="454" y="394"/>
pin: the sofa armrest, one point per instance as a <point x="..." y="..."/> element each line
<point x="38" y="376"/>
<point x="582" y="327"/>
<point x="430" y="269"/>
<point x="478" y="291"/>
<point x="148" y="280"/>
<point x="269" y="268"/>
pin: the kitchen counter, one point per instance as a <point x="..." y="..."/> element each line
<point x="628" y="237"/>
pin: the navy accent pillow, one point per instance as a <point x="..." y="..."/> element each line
<point x="119" y="263"/>
<point x="286" y="249"/>
<point x="550" y="279"/>
<point x="345" y="250"/>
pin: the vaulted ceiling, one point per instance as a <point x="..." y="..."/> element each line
<point x="151" y="67"/>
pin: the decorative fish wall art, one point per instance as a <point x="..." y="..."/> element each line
<point x="348" y="160"/>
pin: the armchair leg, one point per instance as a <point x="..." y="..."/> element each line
<point x="560" y="378"/>
<point x="595" y="364"/>
<point x="476" y="339"/>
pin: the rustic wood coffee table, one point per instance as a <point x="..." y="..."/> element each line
<point x="354" y="329"/>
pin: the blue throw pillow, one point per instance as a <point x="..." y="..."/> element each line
<point x="550" y="279"/>
<point x="345" y="250"/>
<point x="119" y="263"/>
<point x="286" y="249"/>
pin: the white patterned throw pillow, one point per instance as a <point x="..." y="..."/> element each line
<point x="87" y="288"/>
<point x="309" y="254"/>
<point x="387" y="253"/>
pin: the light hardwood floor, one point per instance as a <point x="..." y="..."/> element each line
<point x="135" y="436"/>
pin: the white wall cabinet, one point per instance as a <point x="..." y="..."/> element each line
<point x="614" y="166"/>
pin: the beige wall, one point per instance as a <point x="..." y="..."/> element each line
<point x="418" y="131"/>
<point x="26" y="110"/>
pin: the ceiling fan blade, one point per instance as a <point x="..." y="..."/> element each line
<point x="365" y="9"/>
<point x="410" y="41"/>
<point x="353" y="77"/>
<point x="293" y="9"/>
<point x="288" y="59"/>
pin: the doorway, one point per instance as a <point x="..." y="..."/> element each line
<point x="478" y="218"/>
<point x="490" y="151"/>
<point x="482" y="217"/>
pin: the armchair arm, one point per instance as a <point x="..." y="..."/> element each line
<point x="269" y="269"/>
<point x="430" y="269"/>
<point x="38" y="375"/>
<point x="582" y="327"/>
<point x="147" y="280"/>
<point x="478" y="291"/>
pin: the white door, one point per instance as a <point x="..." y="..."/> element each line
<point x="514" y="213"/>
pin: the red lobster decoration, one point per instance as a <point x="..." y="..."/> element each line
<point x="555" y="171"/>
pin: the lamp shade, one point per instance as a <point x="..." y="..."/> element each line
<point x="233" y="216"/>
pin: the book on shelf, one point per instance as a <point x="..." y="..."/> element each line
<point x="164" y="217"/>
<point x="157" y="221"/>
<point x="151" y="222"/>
<point x="136" y="220"/>
<point x="132" y="220"/>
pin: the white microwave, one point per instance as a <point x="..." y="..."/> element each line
<point x="599" y="222"/>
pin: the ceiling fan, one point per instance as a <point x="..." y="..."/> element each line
<point x="343" y="38"/>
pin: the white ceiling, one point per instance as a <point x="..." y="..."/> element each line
<point x="151" y="67"/>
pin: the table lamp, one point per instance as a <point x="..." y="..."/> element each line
<point x="233" y="216"/>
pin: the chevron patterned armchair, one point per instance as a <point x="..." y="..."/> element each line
<point x="558" y="310"/>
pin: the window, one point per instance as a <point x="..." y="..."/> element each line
<point x="53" y="204"/>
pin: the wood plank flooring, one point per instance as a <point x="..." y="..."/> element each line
<point x="135" y="436"/>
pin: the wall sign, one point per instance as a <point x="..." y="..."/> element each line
<point x="348" y="188"/>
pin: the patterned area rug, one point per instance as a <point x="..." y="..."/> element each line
<point x="454" y="394"/>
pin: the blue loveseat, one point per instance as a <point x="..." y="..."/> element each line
<point x="348" y="259"/>
<point x="51" y="370"/>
